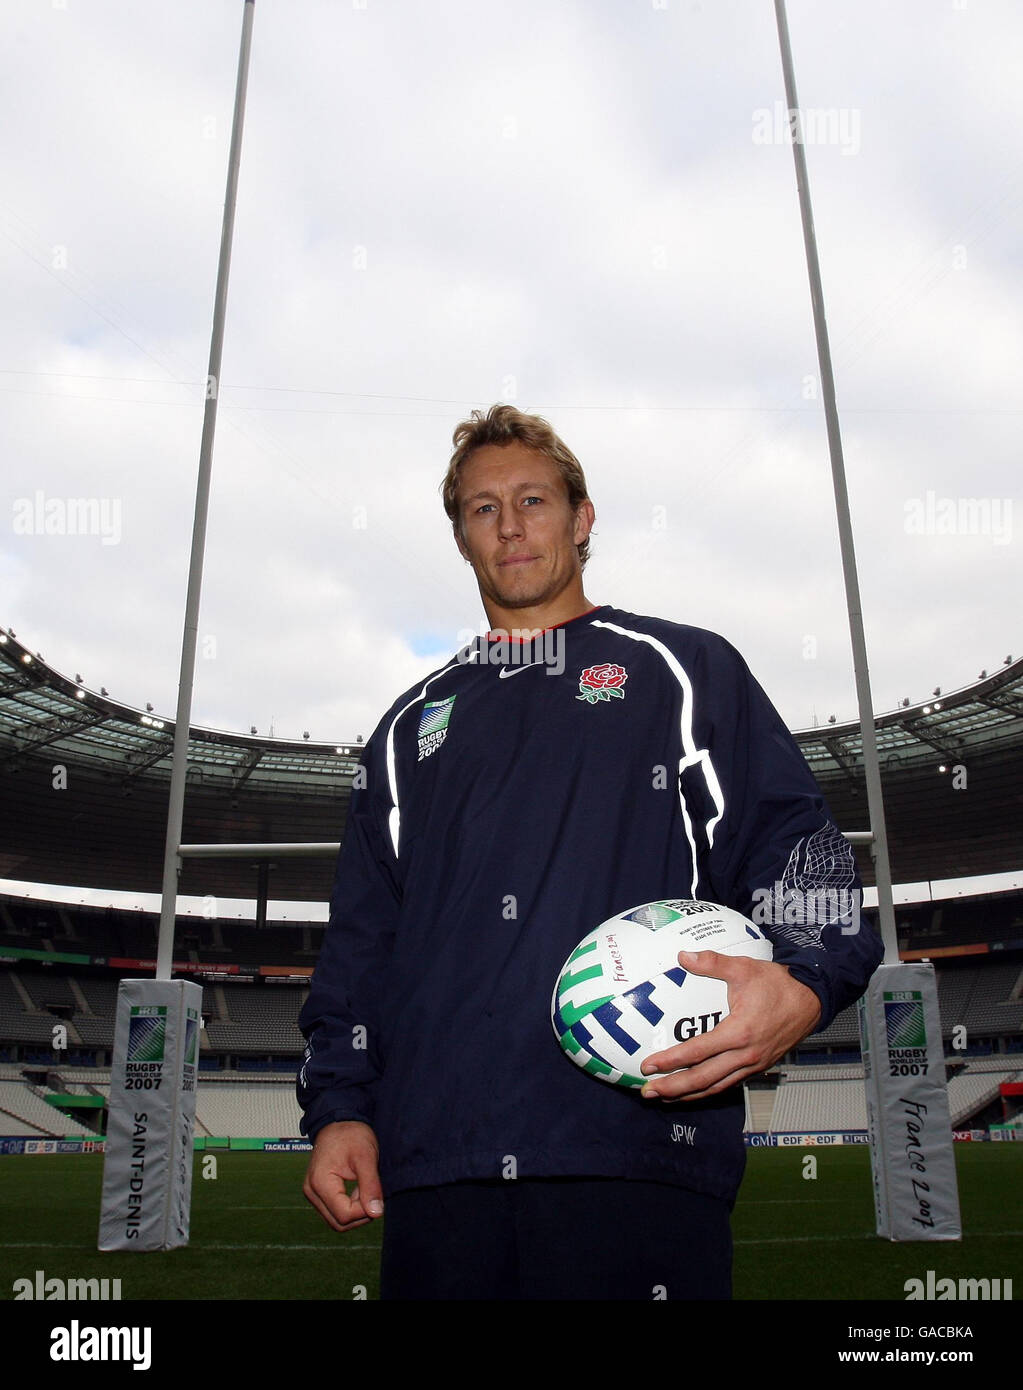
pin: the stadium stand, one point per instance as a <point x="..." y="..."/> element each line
<point x="23" y="1106"/>
<point x="759" y="1108"/>
<point x="240" y="1109"/>
<point x="819" y="1105"/>
<point x="848" y="1072"/>
<point x="94" y="1032"/>
<point x="21" y="1020"/>
<point x="48" y="990"/>
<point x="100" y="995"/>
<point x="843" y="1031"/>
<point x="989" y="1007"/>
<point x="996" y="1063"/>
<point x="971" y="1091"/>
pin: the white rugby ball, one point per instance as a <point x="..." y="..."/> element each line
<point x="622" y="994"/>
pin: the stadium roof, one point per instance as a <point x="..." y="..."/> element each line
<point x="85" y="782"/>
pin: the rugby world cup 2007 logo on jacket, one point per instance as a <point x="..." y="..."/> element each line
<point x="433" y="725"/>
<point x="603" y="682"/>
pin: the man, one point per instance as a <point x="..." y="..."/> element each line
<point x="508" y="804"/>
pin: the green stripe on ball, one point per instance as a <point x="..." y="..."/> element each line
<point x="572" y="1015"/>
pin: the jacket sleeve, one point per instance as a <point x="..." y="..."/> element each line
<point x="777" y="855"/>
<point x="339" y="1020"/>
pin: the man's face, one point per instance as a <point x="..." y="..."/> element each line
<point x="518" y="531"/>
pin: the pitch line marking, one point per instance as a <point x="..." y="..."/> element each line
<point x="332" y="1249"/>
<point x="42" y="1245"/>
<point x="782" y="1201"/>
<point x="327" y="1249"/>
<point x="193" y="1245"/>
<point x="870" y="1235"/>
<point x="801" y="1240"/>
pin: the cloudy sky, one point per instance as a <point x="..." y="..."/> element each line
<point x="584" y="207"/>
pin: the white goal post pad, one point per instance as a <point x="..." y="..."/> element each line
<point x="147" y="1169"/>
<point x="912" y="1154"/>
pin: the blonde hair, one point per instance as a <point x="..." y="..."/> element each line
<point x="503" y="424"/>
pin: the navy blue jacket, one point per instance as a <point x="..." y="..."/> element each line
<point x="512" y="801"/>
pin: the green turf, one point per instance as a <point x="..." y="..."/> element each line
<point x="814" y="1238"/>
<point x="253" y="1235"/>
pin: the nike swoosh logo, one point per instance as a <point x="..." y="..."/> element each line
<point x="514" y="670"/>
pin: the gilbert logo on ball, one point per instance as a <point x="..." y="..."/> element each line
<point x="622" y="994"/>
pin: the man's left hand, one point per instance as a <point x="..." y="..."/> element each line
<point x="769" y="1012"/>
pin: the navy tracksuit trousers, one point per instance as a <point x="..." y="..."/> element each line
<point x="556" y="1238"/>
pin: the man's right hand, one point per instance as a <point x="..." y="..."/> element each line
<point x="344" y="1150"/>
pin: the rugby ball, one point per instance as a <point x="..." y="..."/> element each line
<point x="622" y="994"/>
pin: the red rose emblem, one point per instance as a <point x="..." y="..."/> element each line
<point x="602" y="682"/>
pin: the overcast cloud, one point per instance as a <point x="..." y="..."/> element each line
<point x="581" y="208"/>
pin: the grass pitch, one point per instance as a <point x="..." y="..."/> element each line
<point x="253" y="1236"/>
